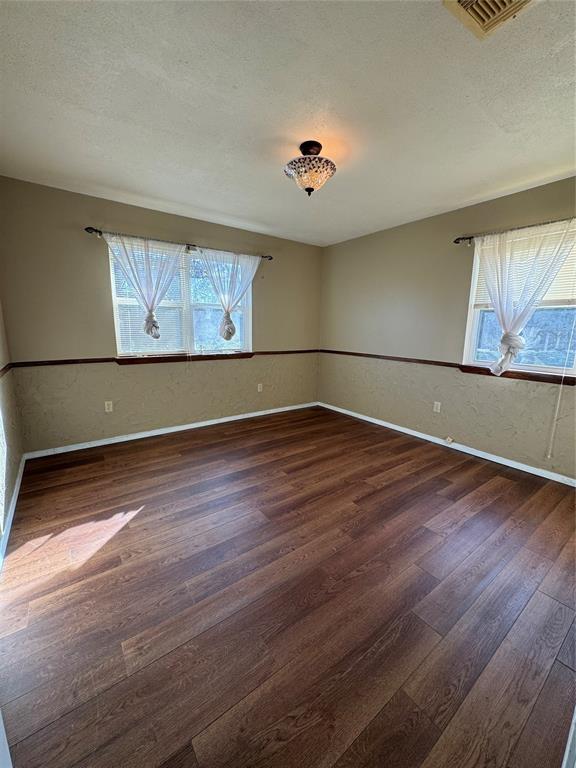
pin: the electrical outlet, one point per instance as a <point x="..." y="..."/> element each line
<point x="108" y="406"/>
<point x="437" y="406"/>
<point x="259" y="387"/>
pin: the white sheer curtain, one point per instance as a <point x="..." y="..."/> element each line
<point x="231" y="275"/>
<point x="149" y="267"/>
<point x="519" y="267"/>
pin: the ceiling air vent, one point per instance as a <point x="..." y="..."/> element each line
<point x="483" y="16"/>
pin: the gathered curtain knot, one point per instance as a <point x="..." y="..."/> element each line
<point x="227" y="328"/>
<point x="511" y="342"/>
<point x="151" y="326"/>
<point x="510" y="345"/>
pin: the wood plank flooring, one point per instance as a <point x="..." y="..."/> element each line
<point x="302" y="590"/>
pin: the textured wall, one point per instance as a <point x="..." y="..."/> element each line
<point x="505" y="417"/>
<point x="404" y="292"/>
<point x="10" y="443"/>
<point x="10" y="434"/>
<point x="63" y="404"/>
<point x="55" y="285"/>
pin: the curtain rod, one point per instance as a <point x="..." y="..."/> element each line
<point x="469" y="238"/>
<point x="98" y="232"/>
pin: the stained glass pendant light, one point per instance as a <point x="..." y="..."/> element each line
<point x="310" y="171"/>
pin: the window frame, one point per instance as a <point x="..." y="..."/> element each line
<point x="187" y="308"/>
<point x="472" y="321"/>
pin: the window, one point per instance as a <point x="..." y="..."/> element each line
<point x="549" y="335"/>
<point x="189" y="316"/>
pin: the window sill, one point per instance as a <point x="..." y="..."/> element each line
<point x="547" y="378"/>
<point x="179" y="358"/>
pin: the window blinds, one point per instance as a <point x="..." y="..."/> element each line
<point x="189" y="314"/>
<point x="563" y="288"/>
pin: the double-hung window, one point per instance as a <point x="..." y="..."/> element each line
<point x="189" y="315"/>
<point x="549" y="335"/>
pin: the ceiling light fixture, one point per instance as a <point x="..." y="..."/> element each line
<point x="310" y="171"/>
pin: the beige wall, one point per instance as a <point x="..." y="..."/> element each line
<point x="55" y="284"/>
<point x="62" y="405"/>
<point x="10" y="433"/>
<point x="55" y="279"/>
<point x="399" y="292"/>
<point x="404" y="292"/>
<point x="504" y="417"/>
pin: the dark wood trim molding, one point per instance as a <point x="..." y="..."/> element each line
<point x="69" y="361"/>
<point x="390" y="357"/>
<point x="181" y="358"/>
<point x="474" y="369"/>
<point x="546" y="378"/>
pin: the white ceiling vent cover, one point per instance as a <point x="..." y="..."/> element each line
<point x="483" y="16"/>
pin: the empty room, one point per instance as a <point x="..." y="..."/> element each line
<point x="287" y="384"/>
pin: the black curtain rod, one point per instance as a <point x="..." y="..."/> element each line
<point x="98" y="232"/>
<point x="469" y="238"/>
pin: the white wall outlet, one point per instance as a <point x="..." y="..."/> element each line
<point x="108" y="406"/>
<point x="437" y="407"/>
<point x="259" y="387"/>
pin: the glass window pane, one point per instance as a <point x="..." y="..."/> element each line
<point x="200" y="285"/>
<point x="547" y="336"/>
<point x="132" y="338"/>
<point x="206" y="324"/>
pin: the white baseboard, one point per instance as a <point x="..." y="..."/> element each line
<point x="161" y="431"/>
<point x="198" y="424"/>
<point x="570" y="754"/>
<point x="5" y="760"/>
<point x="457" y="446"/>
<point x="6" y="532"/>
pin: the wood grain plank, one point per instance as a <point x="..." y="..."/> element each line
<point x="251" y="588"/>
<point x="400" y="736"/>
<point x="197" y="683"/>
<point x="183" y="758"/>
<point x="456" y="547"/>
<point x="552" y="534"/>
<point x="560" y="582"/>
<point x="546" y="732"/>
<point x="567" y="654"/>
<point x="443" y="680"/>
<point x="294" y="714"/>
<point x="451" y="519"/>
<point x="486" y="727"/>
<point x="454" y="595"/>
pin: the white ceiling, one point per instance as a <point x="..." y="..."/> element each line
<point x="194" y="107"/>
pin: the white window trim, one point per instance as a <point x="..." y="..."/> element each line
<point x="472" y="328"/>
<point x="187" y="319"/>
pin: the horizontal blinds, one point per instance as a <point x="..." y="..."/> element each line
<point x="189" y="316"/>
<point x="562" y="290"/>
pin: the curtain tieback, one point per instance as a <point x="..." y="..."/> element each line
<point x="511" y="342"/>
<point x="510" y="345"/>
<point x="227" y="328"/>
<point x="151" y="326"/>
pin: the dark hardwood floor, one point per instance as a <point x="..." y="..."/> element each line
<point x="297" y="590"/>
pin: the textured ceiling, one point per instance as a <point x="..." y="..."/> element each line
<point x="194" y="107"/>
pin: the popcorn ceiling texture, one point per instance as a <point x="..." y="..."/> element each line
<point x="505" y="417"/>
<point x="64" y="404"/>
